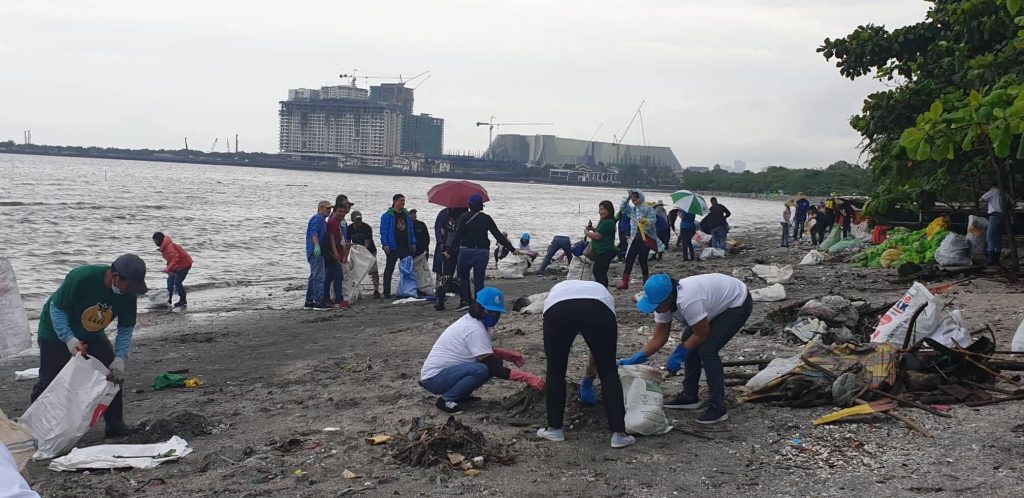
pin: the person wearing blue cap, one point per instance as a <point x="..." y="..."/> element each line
<point x="474" y="246"/>
<point x="572" y="308"/>
<point x="462" y="359"/>
<point x="713" y="308"/>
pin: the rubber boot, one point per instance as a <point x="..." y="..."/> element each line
<point x="625" y="282"/>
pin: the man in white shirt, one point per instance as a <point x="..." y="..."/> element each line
<point x="996" y="220"/>
<point x="713" y="308"/>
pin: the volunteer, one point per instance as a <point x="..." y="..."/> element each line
<point x="316" y="234"/>
<point x="471" y="238"/>
<point x="644" y="237"/>
<point x="713" y="308"/>
<point x="560" y="242"/>
<point x="397" y="238"/>
<point x="361" y="234"/>
<point x="996" y="222"/>
<point x="602" y="240"/>
<point x="462" y="358"/>
<point x="576" y="307"/>
<point x="178" y="265"/>
<point x="74" y="318"/>
<point x="449" y="250"/>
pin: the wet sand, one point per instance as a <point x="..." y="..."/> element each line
<point x="274" y="379"/>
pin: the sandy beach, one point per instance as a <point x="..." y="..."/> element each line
<point x="275" y="379"/>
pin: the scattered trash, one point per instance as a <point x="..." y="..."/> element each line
<point x="378" y="439"/>
<point x="814" y="257"/>
<point x="299" y="473"/>
<point x="456" y="458"/>
<point x="32" y="373"/>
<point x="871" y="408"/>
<point x="806" y="329"/>
<point x="774" y="274"/>
<point x="348" y="474"/>
<point x="168" y="380"/>
<point x="332" y="429"/>
<point x="426" y="445"/>
<point x="710" y="252"/>
<point x="641" y="385"/>
<point x="409" y="300"/>
<point x="893" y="325"/>
<point x="769" y="294"/>
<point x="184" y="423"/>
<point x="117" y="456"/>
<point x="473" y="472"/>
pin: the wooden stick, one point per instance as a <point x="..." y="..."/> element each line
<point x="990" y="371"/>
<point x="993" y="388"/>
<point x="995" y="400"/>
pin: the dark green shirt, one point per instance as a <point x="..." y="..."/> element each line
<point x="606" y="228"/>
<point x="89" y="304"/>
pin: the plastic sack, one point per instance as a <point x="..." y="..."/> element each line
<point x="890" y="256"/>
<point x="15" y="334"/>
<point x="408" y="286"/>
<point x="954" y="251"/>
<point x="27" y="374"/>
<point x="18" y="441"/>
<point x="940" y="224"/>
<point x="73" y="402"/>
<point x="355" y="270"/>
<point x="701" y="238"/>
<point x="774" y="274"/>
<point x="1017" y="345"/>
<point x="641" y="389"/>
<point x="805" y="329"/>
<point x="976" y="228"/>
<point x="813" y="258"/>
<point x="834" y="236"/>
<point x="892" y="327"/>
<point x="513" y="266"/>
<point x="122" y="456"/>
<point x="710" y="252"/>
<point x="536" y="306"/>
<point x="851" y="243"/>
<point x="774" y="371"/>
<point x="424" y="277"/>
<point x="581" y="268"/>
<point x="769" y="294"/>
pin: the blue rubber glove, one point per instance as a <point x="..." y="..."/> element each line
<point x="636" y="359"/>
<point x="316" y="251"/>
<point x="588" y="395"/>
<point x="676" y="360"/>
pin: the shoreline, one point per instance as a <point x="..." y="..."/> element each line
<point x="276" y="375"/>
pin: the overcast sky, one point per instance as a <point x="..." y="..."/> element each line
<point x="723" y="79"/>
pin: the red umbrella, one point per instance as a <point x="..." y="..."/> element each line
<point x="455" y="193"/>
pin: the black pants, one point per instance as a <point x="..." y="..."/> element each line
<point x="447" y="282"/>
<point x="392" y="258"/>
<point x="686" y="240"/>
<point x="601" y="263"/>
<point x="723" y="328"/>
<point x="562" y="323"/>
<point x="818" y="234"/>
<point x="53" y="355"/>
<point x="637" y="251"/>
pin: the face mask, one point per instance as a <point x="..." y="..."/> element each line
<point x="490" y="320"/>
<point x="115" y="289"/>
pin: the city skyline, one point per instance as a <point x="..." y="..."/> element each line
<point x="735" y="78"/>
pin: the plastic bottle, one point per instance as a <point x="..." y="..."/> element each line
<point x="1017" y="346"/>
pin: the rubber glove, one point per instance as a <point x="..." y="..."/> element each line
<point x="676" y="359"/>
<point x="530" y="379"/>
<point x="588" y="395"/>
<point x="636" y="359"/>
<point x="74" y="345"/>
<point x="316" y="250"/>
<point x="116" y="371"/>
<point x="515" y="357"/>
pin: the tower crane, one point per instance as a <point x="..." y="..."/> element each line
<point x="491" y="125"/>
<point x="401" y="80"/>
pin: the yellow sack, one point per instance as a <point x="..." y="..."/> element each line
<point x="937" y="225"/>
<point x="890" y="256"/>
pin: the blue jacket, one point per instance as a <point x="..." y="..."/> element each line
<point x="317" y="226"/>
<point x="687" y="221"/>
<point x="387" y="229"/>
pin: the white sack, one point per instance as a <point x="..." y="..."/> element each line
<point x="536" y="306"/>
<point x="774" y="274"/>
<point x="776" y="369"/>
<point x="121" y="456"/>
<point x="641" y="388"/>
<point x="424" y="275"/>
<point x="770" y="294"/>
<point x="15" y="335"/>
<point x="710" y="252"/>
<point x="892" y="327"/>
<point x="954" y="251"/>
<point x="18" y="440"/>
<point x="29" y="374"/>
<point x="814" y="257"/>
<point x="513" y="266"/>
<point x="976" y="228"/>
<point x="354" y="272"/>
<point x="581" y="268"/>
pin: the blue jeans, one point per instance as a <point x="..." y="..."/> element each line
<point x="333" y="279"/>
<point x="174" y="283"/>
<point x="798" y="229"/>
<point x="315" y="288"/>
<point x="718" y="236"/>
<point x="476" y="260"/>
<point x="785" y="234"/>
<point x="994" y="236"/>
<point x="560" y="242"/>
<point x="723" y="328"/>
<point x="458" y="381"/>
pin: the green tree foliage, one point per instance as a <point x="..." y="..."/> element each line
<point x="841" y="177"/>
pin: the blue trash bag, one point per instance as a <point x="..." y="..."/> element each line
<point x="578" y="248"/>
<point x="408" y="286"/>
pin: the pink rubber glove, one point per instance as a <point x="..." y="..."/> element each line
<point x="530" y="379"/>
<point x="515" y="357"/>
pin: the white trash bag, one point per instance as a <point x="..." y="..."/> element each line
<point x="710" y="252"/>
<point x="892" y="327"/>
<point x="581" y="268"/>
<point x="536" y="306"/>
<point x="122" y="456"/>
<point x="814" y="257"/>
<point x="954" y="251"/>
<point x="641" y="388"/>
<point x="976" y="228"/>
<point x="424" y="277"/>
<point x="774" y="274"/>
<point x="1017" y="345"/>
<point x="73" y="402"/>
<point x="354" y="272"/>
<point x="15" y="334"/>
<point x="770" y="294"/>
<point x="513" y="266"/>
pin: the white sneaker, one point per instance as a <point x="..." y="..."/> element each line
<point x="556" y="435"/>
<point x="622" y="440"/>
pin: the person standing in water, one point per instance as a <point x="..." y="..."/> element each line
<point x="179" y="262"/>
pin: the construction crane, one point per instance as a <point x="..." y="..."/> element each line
<point x="491" y="125"/>
<point x="618" y="140"/>
<point x="367" y="78"/>
<point x="214" y="146"/>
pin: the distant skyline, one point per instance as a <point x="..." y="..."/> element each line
<point x="722" y="79"/>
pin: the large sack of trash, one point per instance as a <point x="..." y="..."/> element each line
<point x="814" y="257"/>
<point x="976" y="228"/>
<point x="641" y="387"/>
<point x="424" y="277"/>
<point x="18" y="441"/>
<point x="73" y="402"/>
<point x="513" y="266"/>
<point x="769" y="294"/>
<point x="954" y="251"/>
<point x="834" y="236"/>
<point x="851" y="243"/>
<point x="581" y="268"/>
<point x="893" y="325"/>
<point x="408" y="286"/>
<point x="355" y="270"/>
<point x="15" y="335"/>
<point x="774" y="274"/>
<point x="536" y="306"/>
<point x="710" y="252"/>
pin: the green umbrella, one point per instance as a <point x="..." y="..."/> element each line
<point x="689" y="202"/>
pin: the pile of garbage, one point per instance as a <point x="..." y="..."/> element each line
<point x="903" y="246"/>
<point x="451" y="443"/>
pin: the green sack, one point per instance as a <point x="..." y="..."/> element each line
<point x="165" y="380"/>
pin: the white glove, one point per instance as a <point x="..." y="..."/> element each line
<point x="73" y="344"/>
<point x="116" y="370"/>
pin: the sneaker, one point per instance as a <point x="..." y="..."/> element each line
<point x="622" y="440"/>
<point x="117" y="429"/>
<point x="309" y="304"/>
<point x="376" y="294"/>
<point x="462" y="307"/>
<point x="322" y="307"/>
<point x="449" y="407"/>
<point x="713" y="416"/>
<point x="343" y="305"/>
<point x="556" y="435"/>
<point x="180" y="304"/>
<point x="682" y="402"/>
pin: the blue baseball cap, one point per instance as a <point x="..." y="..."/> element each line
<point x="657" y="289"/>
<point x="526" y="236"/>
<point x="476" y="199"/>
<point x="491" y="299"/>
